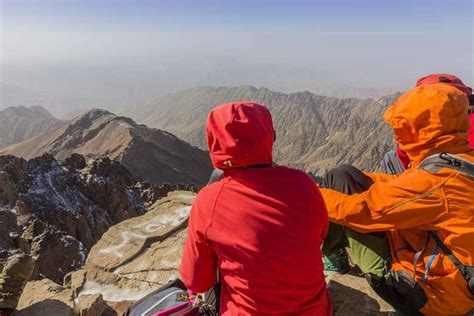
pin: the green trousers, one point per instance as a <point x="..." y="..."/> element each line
<point x="370" y="252"/>
<point x="15" y="274"/>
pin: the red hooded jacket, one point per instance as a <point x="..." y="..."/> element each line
<point x="261" y="226"/>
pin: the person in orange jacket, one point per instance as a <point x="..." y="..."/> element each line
<point x="412" y="234"/>
<point x="396" y="160"/>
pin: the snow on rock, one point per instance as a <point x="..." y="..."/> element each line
<point x="113" y="293"/>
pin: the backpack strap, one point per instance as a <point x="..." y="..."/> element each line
<point x="435" y="163"/>
<point x="417" y="256"/>
<point x="466" y="271"/>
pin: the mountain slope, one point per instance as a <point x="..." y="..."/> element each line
<point x="20" y="123"/>
<point x="155" y="155"/>
<point x="314" y="132"/>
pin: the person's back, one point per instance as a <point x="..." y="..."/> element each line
<point x="261" y="225"/>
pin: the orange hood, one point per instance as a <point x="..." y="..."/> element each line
<point x="430" y="119"/>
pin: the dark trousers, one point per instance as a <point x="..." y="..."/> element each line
<point x="371" y="252"/>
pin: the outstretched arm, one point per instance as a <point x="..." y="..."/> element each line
<point x="411" y="199"/>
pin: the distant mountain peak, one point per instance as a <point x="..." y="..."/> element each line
<point x="155" y="155"/>
<point x="20" y="123"/>
<point x="314" y="132"/>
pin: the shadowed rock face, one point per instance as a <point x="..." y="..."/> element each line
<point x="157" y="156"/>
<point x="20" y="123"/>
<point x="56" y="211"/>
<point x="314" y="132"/>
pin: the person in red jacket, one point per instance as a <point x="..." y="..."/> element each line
<point x="260" y="228"/>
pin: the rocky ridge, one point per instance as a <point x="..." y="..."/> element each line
<point x="155" y="155"/>
<point x="313" y="132"/>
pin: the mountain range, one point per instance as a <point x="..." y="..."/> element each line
<point x="155" y="155"/>
<point x="313" y="132"/>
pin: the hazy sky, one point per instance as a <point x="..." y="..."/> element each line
<point x="130" y="51"/>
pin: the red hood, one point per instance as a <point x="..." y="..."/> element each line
<point x="450" y="79"/>
<point x="240" y="135"/>
<point x="471" y="132"/>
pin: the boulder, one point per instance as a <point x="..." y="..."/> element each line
<point x="8" y="192"/>
<point x="55" y="252"/>
<point x="93" y="305"/>
<point x="352" y="295"/>
<point x="75" y="161"/>
<point x="45" y="297"/>
<point x="125" y="241"/>
<point x="137" y="256"/>
<point x="9" y="231"/>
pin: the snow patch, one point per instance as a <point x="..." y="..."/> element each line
<point x="66" y="240"/>
<point x="82" y="253"/>
<point x="49" y="191"/>
<point x="125" y="238"/>
<point x="174" y="220"/>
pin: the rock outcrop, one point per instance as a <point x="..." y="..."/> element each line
<point x="21" y="123"/>
<point x="45" y="297"/>
<point x="156" y="156"/>
<point x="313" y="132"/>
<point x="138" y="255"/>
<point x="56" y="211"/>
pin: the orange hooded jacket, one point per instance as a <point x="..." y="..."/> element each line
<point x="427" y="120"/>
